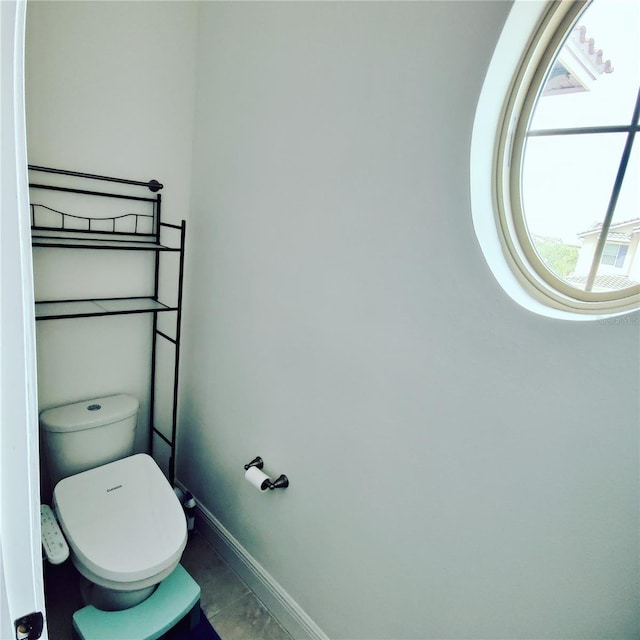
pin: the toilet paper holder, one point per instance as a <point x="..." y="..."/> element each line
<point x="281" y="482"/>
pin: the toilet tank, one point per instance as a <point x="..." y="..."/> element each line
<point x="87" y="434"/>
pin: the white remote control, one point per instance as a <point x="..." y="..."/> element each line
<point x="53" y="542"/>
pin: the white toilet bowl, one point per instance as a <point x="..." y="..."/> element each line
<point x="125" y="528"/>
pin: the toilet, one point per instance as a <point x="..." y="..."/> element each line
<point x="122" y="520"/>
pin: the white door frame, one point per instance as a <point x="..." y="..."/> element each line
<point x="21" y="581"/>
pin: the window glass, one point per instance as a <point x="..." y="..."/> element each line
<point x="629" y="199"/>
<point x="578" y="175"/>
<point x="594" y="78"/>
<point x="566" y="184"/>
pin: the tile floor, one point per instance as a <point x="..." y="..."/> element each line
<point x="234" y="611"/>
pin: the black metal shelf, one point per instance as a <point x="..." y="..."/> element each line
<point x="59" y="309"/>
<point x="98" y="243"/>
<point x="129" y="221"/>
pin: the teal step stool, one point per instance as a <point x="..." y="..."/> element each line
<point x="176" y="597"/>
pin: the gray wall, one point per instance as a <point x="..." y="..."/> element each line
<point x="459" y="466"/>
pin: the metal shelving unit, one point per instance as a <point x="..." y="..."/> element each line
<point x="59" y="201"/>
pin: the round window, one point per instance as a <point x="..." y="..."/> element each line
<point x="568" y="173"/>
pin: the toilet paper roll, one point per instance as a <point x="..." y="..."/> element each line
<point x="256" y="478"/>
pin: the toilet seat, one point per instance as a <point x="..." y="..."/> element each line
<point x="124" y="525"/>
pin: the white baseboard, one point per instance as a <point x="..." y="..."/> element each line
<point x="281" y="605"/>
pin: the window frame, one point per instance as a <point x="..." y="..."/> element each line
<point x="555" y="24"/>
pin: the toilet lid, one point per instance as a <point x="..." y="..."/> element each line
<point x="122" y="520"/>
